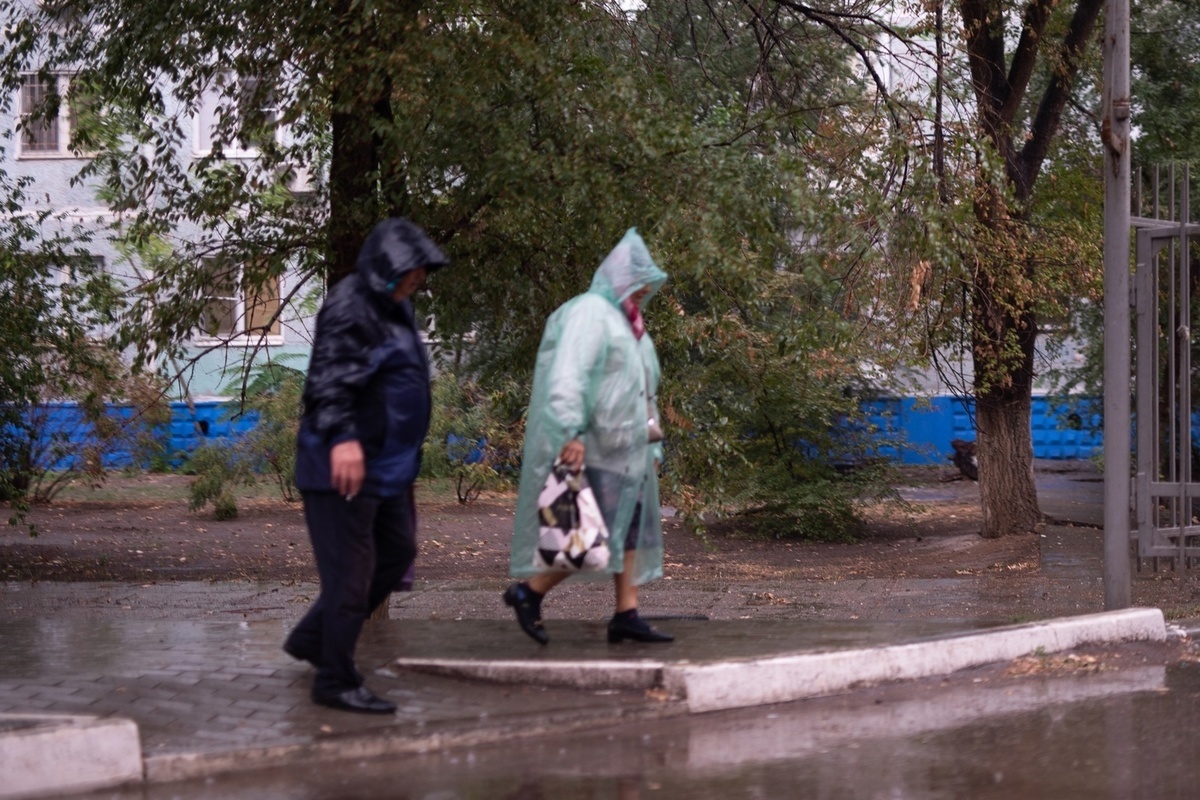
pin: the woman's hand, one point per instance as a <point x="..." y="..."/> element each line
<point x="572" y="455"/>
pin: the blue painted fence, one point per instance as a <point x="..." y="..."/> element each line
<point x="922" y="428"/>
<point x="189" y="428"/>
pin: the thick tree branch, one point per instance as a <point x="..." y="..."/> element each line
<point x="982" y="20"/>
<point x="1025" y="56"/>
<point x="1050" y="110"/>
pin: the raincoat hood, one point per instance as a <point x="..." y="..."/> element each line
<point x="396" y="246"/>
<point x="627" y="268"/>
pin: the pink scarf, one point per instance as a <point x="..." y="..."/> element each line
<point x="634" y="315"/>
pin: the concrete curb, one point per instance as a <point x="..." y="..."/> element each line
<point x="54" y="754"/>
<point x="737" y="684"/>
<point x="779" y="679"/>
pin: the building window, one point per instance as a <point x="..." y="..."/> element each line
<point x="240" y="115"/>
<point x="49" y="116"/>
<point x="235" y="309"/>
<point x="91" y="264"/>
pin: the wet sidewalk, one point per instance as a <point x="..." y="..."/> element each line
<point x="218" y="696"/>
<point x="213" y="697"/>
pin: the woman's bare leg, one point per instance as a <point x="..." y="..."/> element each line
<point x="626" y="590"/>
<point x="625" y="623"/>
<point x="546" y="581"/>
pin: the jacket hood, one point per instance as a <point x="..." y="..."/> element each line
<point x="396" y="246"/>
<point x="627" y="268"/>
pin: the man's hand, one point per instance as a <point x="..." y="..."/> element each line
<point x="572" y="455"/>
<point x="347" y="468"/>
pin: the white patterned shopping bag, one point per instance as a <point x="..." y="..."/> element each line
<point x="572" y="536"/>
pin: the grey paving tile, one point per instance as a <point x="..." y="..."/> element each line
<point x="34" y="704"/>
<point x="57" y="692"/>
<point x="240" y="669"/>
<point x="162" y="673"/>
<point x="178" y="706"/>
<point x="270" y="705"/>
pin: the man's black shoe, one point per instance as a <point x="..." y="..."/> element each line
<point x="528" y="606"/>
<point x="623" y="626"/>
<point x="361" y="700"/>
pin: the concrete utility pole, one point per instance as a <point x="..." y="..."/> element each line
<point x="1115" y="133"/>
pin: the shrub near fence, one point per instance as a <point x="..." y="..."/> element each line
<point x="55" y="444"/>
<point x="68" y="437"/>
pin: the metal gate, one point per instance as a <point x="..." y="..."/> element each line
<point x="1167" y="383"/>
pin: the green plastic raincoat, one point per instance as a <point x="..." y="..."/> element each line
<point x="595" y="380"/>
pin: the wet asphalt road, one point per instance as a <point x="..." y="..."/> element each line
<point x="1127" y="734"/>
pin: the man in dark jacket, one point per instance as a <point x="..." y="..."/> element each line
<point x="366" y="413"/>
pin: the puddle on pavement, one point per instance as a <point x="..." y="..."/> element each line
<point x="1128" y="733"/>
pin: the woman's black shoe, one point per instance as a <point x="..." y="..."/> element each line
<point x="631" y="626"/>
<point x="528" y="606"/>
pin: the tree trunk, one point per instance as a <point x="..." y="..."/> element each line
<point x="358" y="103"/>
<point x="1006" y="489"/>
<point x="1004" y="287"/>
<point x="353" y="167"/>
<point x="1004" y="332"/>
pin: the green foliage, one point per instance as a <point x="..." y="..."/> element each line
<point x="761" y="419"/>
<point x="52" y="296"/>
<point x="744" y="144"/>
<point x="1165" y="80"/>
<point x="672" y="136"/>
<point x="266" y="452"/>
<point x="470" y="442"/>
<point x="219" y="469"/>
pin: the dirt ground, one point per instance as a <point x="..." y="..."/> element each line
<point x="139" y="528"/>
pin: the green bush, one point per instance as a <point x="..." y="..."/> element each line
<point x="43" y="459"/>
<point x="764" y="422"/>
<point x="470" y="442"/>
<point x="267" y="452"/>
<point x="219" y="470"/>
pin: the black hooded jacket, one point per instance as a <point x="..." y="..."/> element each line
<point x="368" y="378"/>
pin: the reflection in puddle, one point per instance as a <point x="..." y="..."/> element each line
<point x="1125" y="733"/>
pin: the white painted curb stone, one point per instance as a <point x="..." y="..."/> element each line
<point x="737" y="684"/>
<point x="47" y="755"/>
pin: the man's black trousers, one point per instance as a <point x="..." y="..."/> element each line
<point x="362" y="547"/>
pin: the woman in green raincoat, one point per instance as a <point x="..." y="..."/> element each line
<point x="594" y="406"/>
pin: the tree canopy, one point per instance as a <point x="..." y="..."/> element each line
<point x="810" y="215"/>
<point x="1165" y="86"/>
